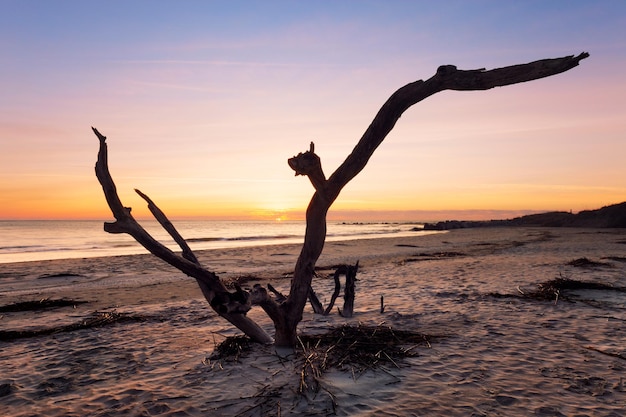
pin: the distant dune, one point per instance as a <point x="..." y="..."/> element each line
<point x="613" y="216"/>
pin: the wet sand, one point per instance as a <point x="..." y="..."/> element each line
<point x="500" y="354"/>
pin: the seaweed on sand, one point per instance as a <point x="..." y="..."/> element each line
<point x="362" y="347"/>
<point x="432" y="256"/>
<point x="42" y="304"/>
<point x="232" y="348"/>
<point x="97" y="319"/>
<point x="556" y="288"/>
<point x="355" y="349"/>
<point x="586" y="263"/>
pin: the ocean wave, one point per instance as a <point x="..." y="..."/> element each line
<point x="30" y="240"/>
<point x="241" y="238"/>
<point x="29" y="248"/>
<point x="365" y="233"/>
<point x="349" y="233"/>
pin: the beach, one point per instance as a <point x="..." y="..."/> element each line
<point x="494" y="351"/>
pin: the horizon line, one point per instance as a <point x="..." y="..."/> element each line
<point x="414" y="216"/>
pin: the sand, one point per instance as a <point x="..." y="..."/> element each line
<point x="499" y="354"/>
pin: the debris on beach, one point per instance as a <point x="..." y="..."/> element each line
<point x="95" y="320"/>
<point x="232" y="348"/>
<point x="565" y="289"/>
<point x="42" y="304"/>
<point x="356" y="347"/>
<point x="558" y="287"/>
<point x="586" y="263"/>
<point x="362" y="347"/>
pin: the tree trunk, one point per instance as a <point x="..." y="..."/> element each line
<point x="349" y="291"/>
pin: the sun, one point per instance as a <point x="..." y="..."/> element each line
<point x="272" y="214"/>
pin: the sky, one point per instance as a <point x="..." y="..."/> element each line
<point x="203" y="102"/>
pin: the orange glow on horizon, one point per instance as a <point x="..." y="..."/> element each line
<point x="202" y="118"/>
<point x="54" y="199"/>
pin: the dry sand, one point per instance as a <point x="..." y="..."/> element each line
<point x="501" y="355"/>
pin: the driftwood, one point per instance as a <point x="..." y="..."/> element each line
<point x="287" y="313"/>
<point x="97" y="319"/>
<point x="335" y="292"/>
<point x="349" y="291"/>
<point x="350" y="274"/>
<point x="316" y="304"/>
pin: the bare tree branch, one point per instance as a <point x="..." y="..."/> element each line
<point x="446" y="78"/>
<point x="326" y="191"/>
<point x="333" y="298"/>
<point x="309" y="164"/>
<point x="230" y="306"/>
<point x="169" y="227"/>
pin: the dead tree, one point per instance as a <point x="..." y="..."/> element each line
<point x="286" y="312"/>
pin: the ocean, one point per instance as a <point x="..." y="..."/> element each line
<point x="36" y="240"/>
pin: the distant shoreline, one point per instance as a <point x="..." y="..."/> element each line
<point x="613" y="216"/>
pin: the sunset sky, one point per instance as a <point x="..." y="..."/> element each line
<point x="203" y="102"/>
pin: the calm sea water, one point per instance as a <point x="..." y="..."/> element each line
<point x="28" y="240"/>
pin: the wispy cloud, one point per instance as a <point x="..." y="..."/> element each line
<point x="216" y="63"/>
